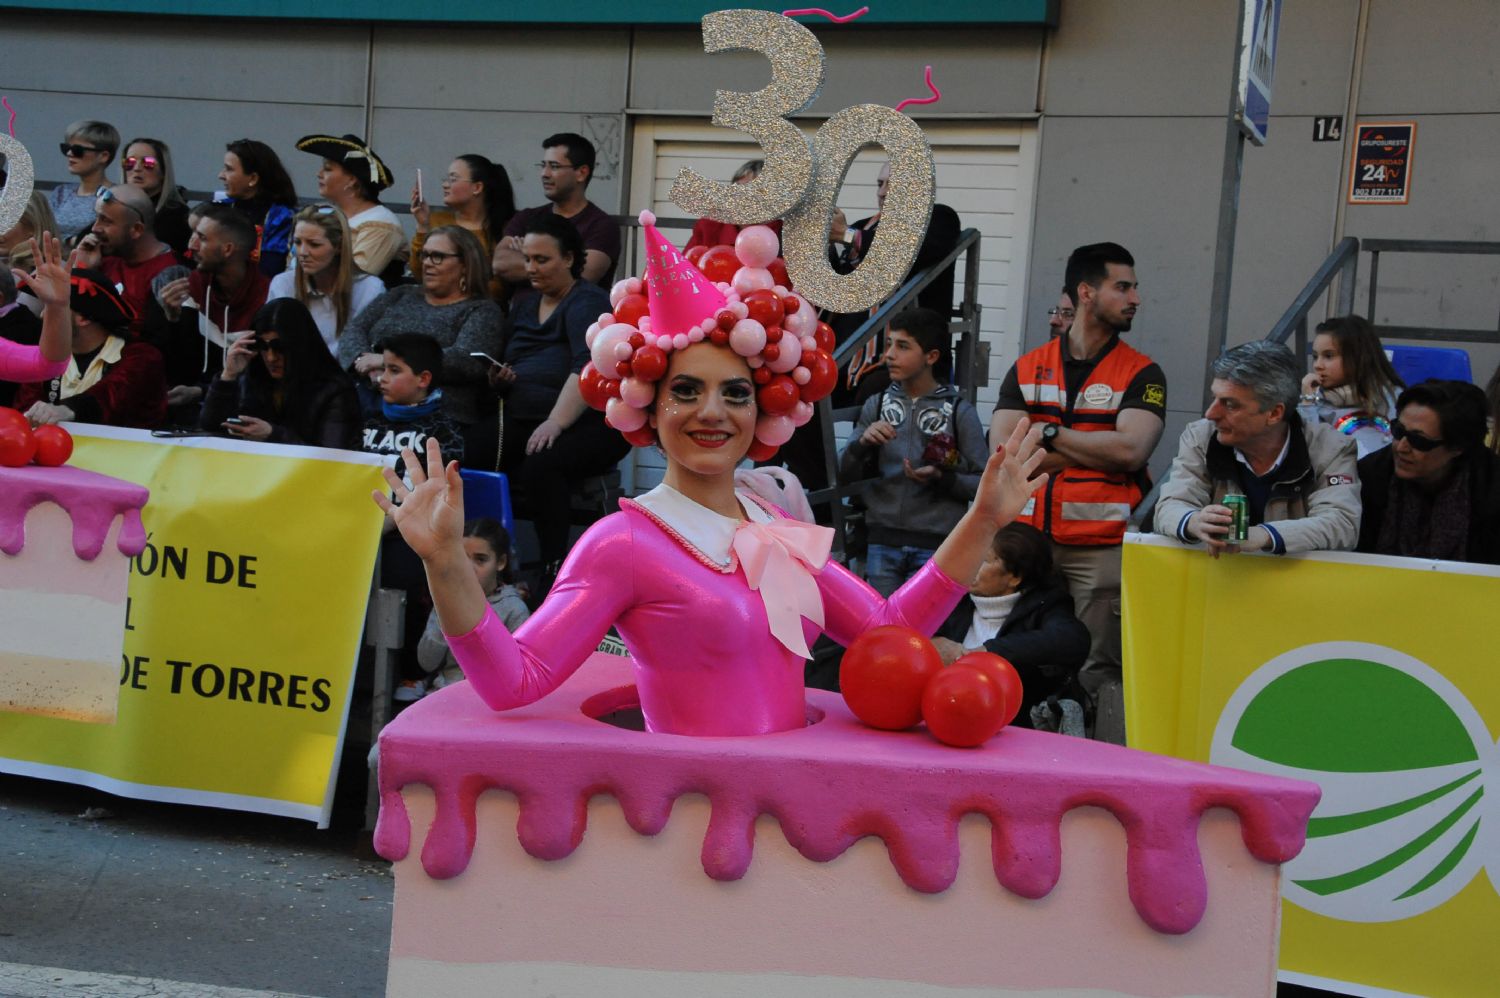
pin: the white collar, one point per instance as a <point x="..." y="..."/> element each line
<point x="709" y="533"/>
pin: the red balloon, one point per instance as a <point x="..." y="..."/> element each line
<point x="884" y="673"/>
<point x="591" y="385"/>
<point x="54" y="445"/>
<point x="963" y="707"/>
<point x="719" y="264"/>
<point x="773" y="334"/>
<point x="13" y="417"/>
<point x="692" y="253"/>
<point x="770" y="352"/>
<point x="765" y="306"/>
<point x="761" y="451"/>
<point x="826" y="339"/>
<point x="17" y="444"/>
<point x="1002" y="672"/>
<point x="778" y="273"/>
<point x="778" y="395"/>
<point x="762" y="376"/>
<point x="719" y="337"/>
<point x="726" y="319"/>
<point x="631" y="308"/>
<point x="790" y="304"/>
<point x="643" y="437"/>
<point x="825" y="376"/>
<point x="649" y="363"/>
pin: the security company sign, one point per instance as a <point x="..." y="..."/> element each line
<point x="1381" y="171"/>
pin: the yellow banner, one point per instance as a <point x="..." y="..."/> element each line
<point x="243" y="628"/>
<point x="1373" y="677"/>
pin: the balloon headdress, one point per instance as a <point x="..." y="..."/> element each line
<point x="677" y="304"/>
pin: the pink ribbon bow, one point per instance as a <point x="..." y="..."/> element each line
<point x="779" y="559"/>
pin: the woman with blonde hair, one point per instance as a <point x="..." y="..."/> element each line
<point x="324" y="277"/>
<point x="147" y="164"/>
<point x="19" y="244"/>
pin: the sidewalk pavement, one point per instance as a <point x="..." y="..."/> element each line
<point x="104" y="895"/>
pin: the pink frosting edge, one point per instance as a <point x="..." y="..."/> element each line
<point x="91" y="500"/>
<point x="828" y="785"/>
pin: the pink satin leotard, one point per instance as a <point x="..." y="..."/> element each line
<point x="705" y="660"/>
<point x="22" y="363"/>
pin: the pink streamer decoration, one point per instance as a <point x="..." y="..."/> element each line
<point x="937" y="94"/>
<point x="6" y="102"/>
<point x="819" y="11"/>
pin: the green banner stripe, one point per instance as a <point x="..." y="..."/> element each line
<point x="1446" y="866"/>
<point x="1334" y="824"/>
<point x="1384" y="865"/>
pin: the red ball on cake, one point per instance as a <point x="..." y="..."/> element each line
<point x="963" y="707"/>
<point x="884" y="673"/>
<point x="54" y="445"/>
<point x="17" y="443"/>
<point x="1002" y="673"/>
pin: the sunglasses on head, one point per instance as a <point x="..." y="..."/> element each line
<point x="1417" y="440"/>
<point x="146" y="162"/>
<point x="75" y="150"/>
<point x="107" y="196"/>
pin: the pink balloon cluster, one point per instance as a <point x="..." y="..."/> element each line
<point x="775" y="329"/>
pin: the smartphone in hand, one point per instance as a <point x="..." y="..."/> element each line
<point x="481" y="353"/>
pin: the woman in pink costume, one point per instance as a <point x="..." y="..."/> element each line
<point x="50" y="283"/>
<point x="715" y="593"/>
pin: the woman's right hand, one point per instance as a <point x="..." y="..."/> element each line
<point x="367" y="364"/>
<point x="429" y="514"/>
<point x="238" y="357"/>
<point x="419" y="210"/>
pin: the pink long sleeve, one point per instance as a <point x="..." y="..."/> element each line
<point x="22" y="363"/>
<point x="705" y="660"/>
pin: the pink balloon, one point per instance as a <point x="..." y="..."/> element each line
<point x="623" y="416"/>
<point x="756" y="246"/>
<point x="748" y="279"/>
<point x="801" y="322"/>
<point x="637" y="393"/>
<point x="589" y="334"/>
<point x="603" y="349"/>
<point x="788" y="356"/>
<point x="747" y="338"/>
<point x="740" y="309"/>
<point x="801" y="375"/>
<point x="618" y="292"/>
<point x="772" y="430"/>
<point x="802" y="413"/>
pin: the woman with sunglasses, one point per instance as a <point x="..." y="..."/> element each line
<point x="258" y="186"/>
<point x="280" y="384"/>
<point x="90" y="147"/>
<point x="147" y="164"/>
<point x="1435" y="491"/>
<point x="324" y="277"/>
<point x="450" y="305"/>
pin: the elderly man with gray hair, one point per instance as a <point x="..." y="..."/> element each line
<point x="1298" y="480"/>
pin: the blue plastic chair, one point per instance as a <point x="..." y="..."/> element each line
<point x="1416" y="363"/>
<point x="487" y="493"/>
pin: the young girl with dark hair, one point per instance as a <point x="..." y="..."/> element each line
<point x="487" y="545"/>
<point x="280" y="384"/>
<point x="1352" y="386"/>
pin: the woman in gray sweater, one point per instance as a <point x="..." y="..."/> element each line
<point x="449" y="305"/>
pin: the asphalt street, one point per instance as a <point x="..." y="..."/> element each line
<point x="178" y="895"/>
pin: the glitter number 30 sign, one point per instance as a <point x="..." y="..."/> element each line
<point x="801" y="180"/>
<point x="17" y="191"/>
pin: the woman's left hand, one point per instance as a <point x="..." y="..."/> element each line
<point x="250" y="428"/>
<point x="543" y="436"/>
<point x="1010" y="477"/>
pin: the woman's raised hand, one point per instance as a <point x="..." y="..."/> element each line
<point x="429" y="514"/>
<point x="239" y="355"/>
<point x="1010" y="477"/>
<point x="52" y="282"/>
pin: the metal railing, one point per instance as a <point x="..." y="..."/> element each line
<point x="1342" y="263"/>
<point x="1447" y="246"/>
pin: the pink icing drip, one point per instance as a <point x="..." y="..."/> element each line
<point x="92" y="501"/>
<point x="828" y="785"/>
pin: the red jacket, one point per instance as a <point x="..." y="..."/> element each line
<point x="132" y="391"/>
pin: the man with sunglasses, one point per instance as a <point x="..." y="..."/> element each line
<point x="1435" y="491"/>
<point x="123" y="245"/>
<point x="1298" y="479"/>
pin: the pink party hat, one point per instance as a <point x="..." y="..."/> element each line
<point x="679" y="295"/>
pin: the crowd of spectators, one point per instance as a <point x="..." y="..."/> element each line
<point x="326" y="324"/>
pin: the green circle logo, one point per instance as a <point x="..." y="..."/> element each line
<point x="1409" y="810"/>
